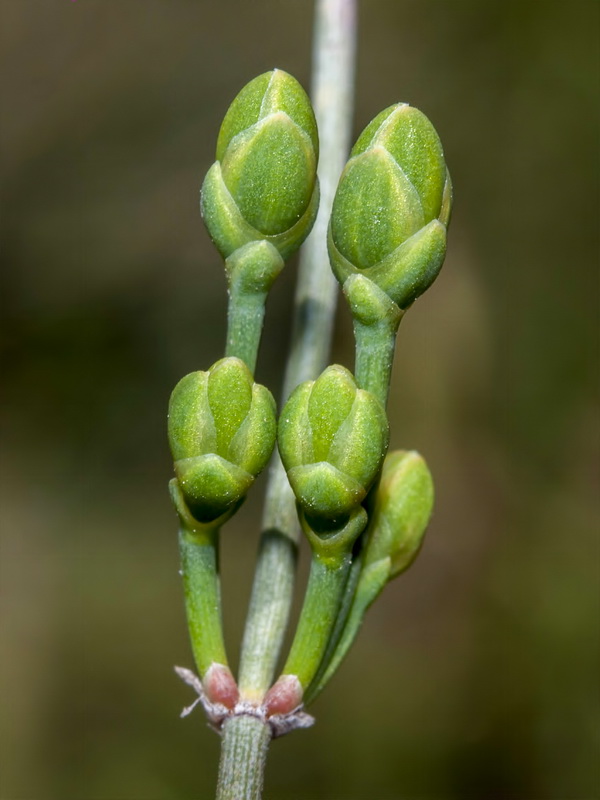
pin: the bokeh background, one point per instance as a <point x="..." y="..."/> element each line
<point x="475" y="675"/>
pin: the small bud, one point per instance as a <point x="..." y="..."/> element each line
<point x="284" y="696"/>
<point x="222" y="429"/>
<point x="392" y="206"/>
<point x="219" y="685"/>
<point x="264" y="182"/>
<point x="402" y="509"/>
<point x="332" y="439"/>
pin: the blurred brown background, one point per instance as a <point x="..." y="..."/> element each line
<point x="475" y="675"/>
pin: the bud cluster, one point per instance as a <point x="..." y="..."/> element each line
<point x="364" y="513"/>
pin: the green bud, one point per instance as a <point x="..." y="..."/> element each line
<point x="222" y="429"/>
<point x="332" y="439"/>
<point x="401" y="511"/>
<point x="264" y="182"/>
<point x="392" y="206"/>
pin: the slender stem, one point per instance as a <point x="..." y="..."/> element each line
<point x="243" y="754"/>
<point x="368" y="586"/>
<point x="202" y="598"/>
<point x="332" y="91"/>
<point x="251" y="271"/>
<point x="246" y="739"/>
<point x="199" y="554"/>
<point x="376" y="319"/>
<point x="340" y="623"/>
<point x="322" y="602"/>
<point x="375" y="345"/>
<point x="244" y="326"/>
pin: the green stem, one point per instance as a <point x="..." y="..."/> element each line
<point x="202" y="598"/>
<point x="251" y="271"/>
<point x="332" y="90"/>
<point x="375" y="347"/>
<point x="330" y="568"/>
<point x="340" y="622"/>
<point x="369" y="584"/>
<point x="322" y="602"/>
<point x="245" y="320"/>
<point x="199" y="547"/>
<point x="376" y="320"/>
<point x="245" y="741"/>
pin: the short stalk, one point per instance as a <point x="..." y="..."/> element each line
<point x="376" y="319"/>
<point x="251" y="271"/>
<point x="375" y="346"/>
<point x="244" y="326"/>
<point x="330" y="569"/>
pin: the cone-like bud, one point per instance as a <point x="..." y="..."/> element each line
<point x="222" y="429"/>
<point x="264" y="182"/>
<point x="392" y="206"/>
<point x="332" y="439"/>
<point x="402" y="508"/>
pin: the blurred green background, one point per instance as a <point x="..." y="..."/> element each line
<point x="475" y="675"/>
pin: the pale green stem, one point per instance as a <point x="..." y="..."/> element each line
<point x="243" y="754"/>
<point x="334" y="48"/>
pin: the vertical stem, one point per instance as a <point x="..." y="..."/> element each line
<point x="251" y="271"/>
<point x="332" y="92"/>
<point x="202" y="598"/>
<point x="199" y="555"/>
<point x="244" y="326"/>
<point x="245" y="743"/>
<point x="340" y="622"/>
<point x="368" y="584"/>
<point x="246" y="739"/>
<point x="376" y="319"/>
<point x="375" y="345"/>
<point x="324" y="595"/>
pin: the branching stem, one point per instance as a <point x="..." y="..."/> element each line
<point x="244" y="738"/>
<point x="332" y="92"/>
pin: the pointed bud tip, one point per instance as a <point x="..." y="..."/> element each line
<point x="264" y="184"/>
<point x="394" y="187"/>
